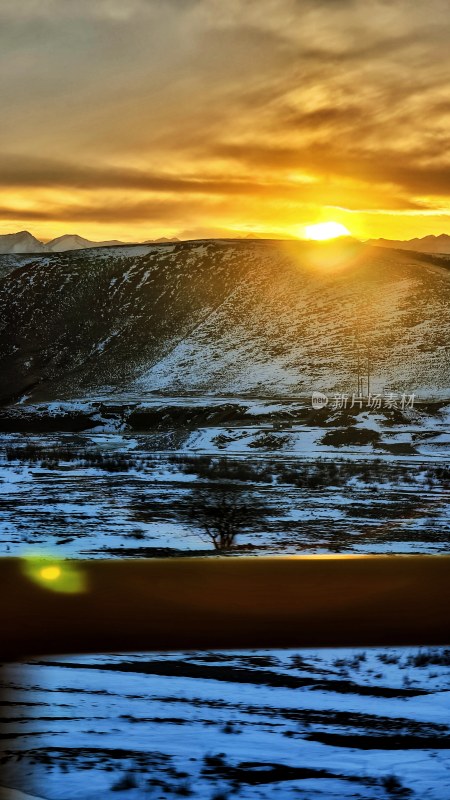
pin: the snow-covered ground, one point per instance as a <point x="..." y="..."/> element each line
<point x="313" y="724"/>
<point x="254" y="725"/>
<point x="98" y="494"/>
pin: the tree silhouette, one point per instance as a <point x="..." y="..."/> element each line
<point x="222" y="511"/>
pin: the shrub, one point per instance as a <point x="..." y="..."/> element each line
<point x="439" y="657"/>
<point x="393" y="786"/>
<point x="351" y="436"/>
<point x="126" y="781"/>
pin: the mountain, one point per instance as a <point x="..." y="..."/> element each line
<point x="21" y="242"/>
<point x="74" y="242"/>
<point x="25" y="242"/>
<point x="161" y="239"/>
<point x="428" y="244"/>
<point x="238" y="317"/>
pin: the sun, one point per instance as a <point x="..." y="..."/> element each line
<point x="326" y="230"/>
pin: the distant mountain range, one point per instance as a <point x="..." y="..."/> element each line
<point x="428" y="244"/>
<point x="25" y="242"/>
<point x="225" y="317"/>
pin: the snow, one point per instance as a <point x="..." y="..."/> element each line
<point x="88" y="702"/>
<point x="82" y="723"/>
<point x="370" y="421"/>
<point x="135" y="503"/>
<point x="91" y="724"/>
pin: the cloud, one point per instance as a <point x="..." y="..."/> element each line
<point x="372" y="168"/>
<point x="229" y="108"/>
<point x="105" y="212"/>
<point x="220" y="190"/>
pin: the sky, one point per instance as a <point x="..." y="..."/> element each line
<point x="146" y="118"/>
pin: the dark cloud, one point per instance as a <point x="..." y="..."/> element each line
<point x="47" y="174"/>
<point x="411" y="173"/>
<point x="118" y="212"/>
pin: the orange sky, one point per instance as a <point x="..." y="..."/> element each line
<point x="149" y="118"/>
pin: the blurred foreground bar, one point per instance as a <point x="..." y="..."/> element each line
<point x="14" y="794"/>
<point x="220" y="603"/>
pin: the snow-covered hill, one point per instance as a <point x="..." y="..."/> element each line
<point x="75" y="242"/>
<point x="25" y="242"/>
<point x="21" y="242"/>
<point x="225" y="316"/>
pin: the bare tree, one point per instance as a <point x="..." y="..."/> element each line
<point x="222" y="511"/>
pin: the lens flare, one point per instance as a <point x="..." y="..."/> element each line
<point x="54" y="574"/>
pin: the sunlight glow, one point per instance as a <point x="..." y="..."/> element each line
<point x="325" y="230"/>
<point x="50" y="573"/>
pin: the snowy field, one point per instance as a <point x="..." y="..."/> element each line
<point x="100" y="494"/>
<point x="371" y="724"/>
<point x="260" y="724"/>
